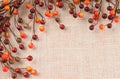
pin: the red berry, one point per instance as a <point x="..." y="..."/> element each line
<point x="62" y="26"/>
<point x="42" y="21"/>
<point x="81" y="6"/>
<point x="41" y="4"/>
<point x="109" y="25"/>
<point x="18" y="70"/>
<point x="14" y="75"/>
<point x="1" y="48"/>
<point x="5" y="68"/>
<point x="7" y="24"/>
<point x="34" y="37"/>
<point x="91" y="27"/>
<point x="21" y="46"/>
<point x="23" y="35"/>
<point x="26" y="74"/>
<point x="19" y="27"/>
<point x="60" y="4"/>
<point x="29" y="58"/>
<point x="14" y="49"/>
<point x="50" y="7"/>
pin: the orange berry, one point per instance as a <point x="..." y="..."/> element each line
<point x="101" y="26"/>
<point x="76" y="1"/>
<point x="81" y="14"/>
<point x="5" y="68"/>
<point x="23" y="35"/>
<point x="87" y="2"/>
<point x="31" y="45"/>
<point x="42" y="28"/>
<point x="112" y="12"/>
<point x="7" y="7"/>
<point x="34" y="72"/>
<point x="48" y="14"/>
<point x="55" y="13"/>
<point x="5" y="55"/>
<point x="96" y="12"/>
<point x="28" y="68"/>
<point x="37" y="20"/>
<point x="6" y="34"/>
<point x="28" y="6"/>
<point x="56" y="3"/>
<point x="116" y="19"/>
<point x="5" y="2"/>
<point x="15" y="12"/>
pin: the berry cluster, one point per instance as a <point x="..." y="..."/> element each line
<point x="77" y="8"/>
<point x="95" y="8"/>
<point x="8" y="51"/>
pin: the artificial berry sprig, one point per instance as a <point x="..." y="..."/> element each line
<point x="76" y="8"/>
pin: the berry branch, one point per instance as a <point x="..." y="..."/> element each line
<point x="77" y="8"/>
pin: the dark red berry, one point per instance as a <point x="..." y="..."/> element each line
<point x="60" y="4"/>
<point x="6" y="41"/>
<point x="26" y="74"/>
<point x="30" y="16"/>
<point x="1" y="48"/>
<point x="75" y="15"/>
<point x="109" y="8"/>
<point x="29" y="58"/>
<point x="18" y="70"/>
<point x="104" y="15"/>
<point x="50" y="7"/>
<point x="14" y="75"/>
<point x="97" y="5"/>
<point x="81" y="6"/>
<point x="42" y="21"/>
<point x="71" y="11"/>
<point x="32" y="10"/>
<point x="62" y="26"/>
<point x="110" y="17"/>
<point x="109" y="25"/>
<point x="36" y="1"/>
<point x="34" y="37"/>
<point x="14" y="49"/>
<point x="21" y="46"/>
<point x="41" y="4"/>
<point x="7" y="24"/>
<point x="87" y="9"/>
<point x="19" y="27"/>
<point x="15" y="4"/>
<point x="91" y="27"/>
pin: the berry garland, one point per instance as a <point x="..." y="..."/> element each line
<point x="10" y="8"/>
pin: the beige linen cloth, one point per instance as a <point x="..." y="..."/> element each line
<point x="74" y="53"/>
